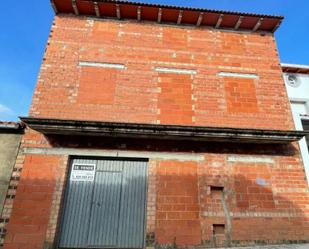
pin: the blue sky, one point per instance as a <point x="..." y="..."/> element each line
<point x="25" y="27"/>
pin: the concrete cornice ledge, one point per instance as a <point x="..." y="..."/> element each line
<point x="154" y="131"/>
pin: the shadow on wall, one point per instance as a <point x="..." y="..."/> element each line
<point x="207" y="203"/>
<point x="256" y="202"/>
<point x="202" y="205"/>
<point x="132" y="144"/>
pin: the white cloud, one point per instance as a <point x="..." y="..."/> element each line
<point x="5" y="110"/>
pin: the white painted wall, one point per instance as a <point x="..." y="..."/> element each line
<point x="299" y="98"/>
<point x="301" y="92"/>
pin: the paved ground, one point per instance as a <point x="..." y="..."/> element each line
<point x="299" y="246"/>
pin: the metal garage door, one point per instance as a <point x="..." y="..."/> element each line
<point x="105" y="205"/>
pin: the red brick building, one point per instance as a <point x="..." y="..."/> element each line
<point x="158" y="126"/>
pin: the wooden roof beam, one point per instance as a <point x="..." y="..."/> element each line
<point x="240" y="19"/>
<point x="277" y="26"/>
<point x="220" y="19"/>
<point x="160" y="15"/>
<point x="179" y="17"/>
<point x="200" y="19"/>
<point x="118" y="12"/>
<point x="258" y="24"/>
<point x="75" y="8"/>
<point x="139" y="13"/>
<point x="96" y="8"/>
<point x="54" y="6"/>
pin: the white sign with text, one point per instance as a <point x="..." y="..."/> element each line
<point x="83" y="172"/>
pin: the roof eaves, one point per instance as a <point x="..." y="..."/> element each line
<point x="192" y="8"/>
<point x="169" y="14"/>
<point x="12" y="126"/>
<point x="152" y="131"/>
<point x="295" y="66"/>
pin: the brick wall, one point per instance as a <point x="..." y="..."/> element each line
<point x="229" y="194"/>
<point x="254" y="197"/>
<point x="139" y="93"/>
<point x="30" y="215"/>
<point x="177" y="204"/>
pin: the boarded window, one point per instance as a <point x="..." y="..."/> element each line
<point x="240" y="95"/>
<point x="175" y="101"/>
<point x="97" y="85"/>
<point x="216" y="197"/>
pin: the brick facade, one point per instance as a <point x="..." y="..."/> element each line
<point x="199" y="194"/>
<point x="147" y="96"/>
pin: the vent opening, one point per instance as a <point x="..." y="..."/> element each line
<point x="293" y="80"/>
<point x="216" y="190"/>
<point x="218" y="229"/>
<point x="219" y="235"/>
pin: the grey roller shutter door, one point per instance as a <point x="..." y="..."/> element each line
<point x="74" y="232"/>
<point x="104" y="220"/>
<point x="108" y="212"/>
<point x="132" y="209"/>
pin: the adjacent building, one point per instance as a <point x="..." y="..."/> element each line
<point x="158" y="126"/>
<point x="297" y="83"/>
<point x="10" y="138"/>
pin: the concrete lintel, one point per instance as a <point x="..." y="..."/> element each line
<point x="115" y="153"/>
<point x="161" y="132"/>
<point x="252" y="214"/>
<point x="102" y="64"/>
<point x="250" y="159"/>
<point x="174" y="70"/>
<point x="238" y="75"/>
